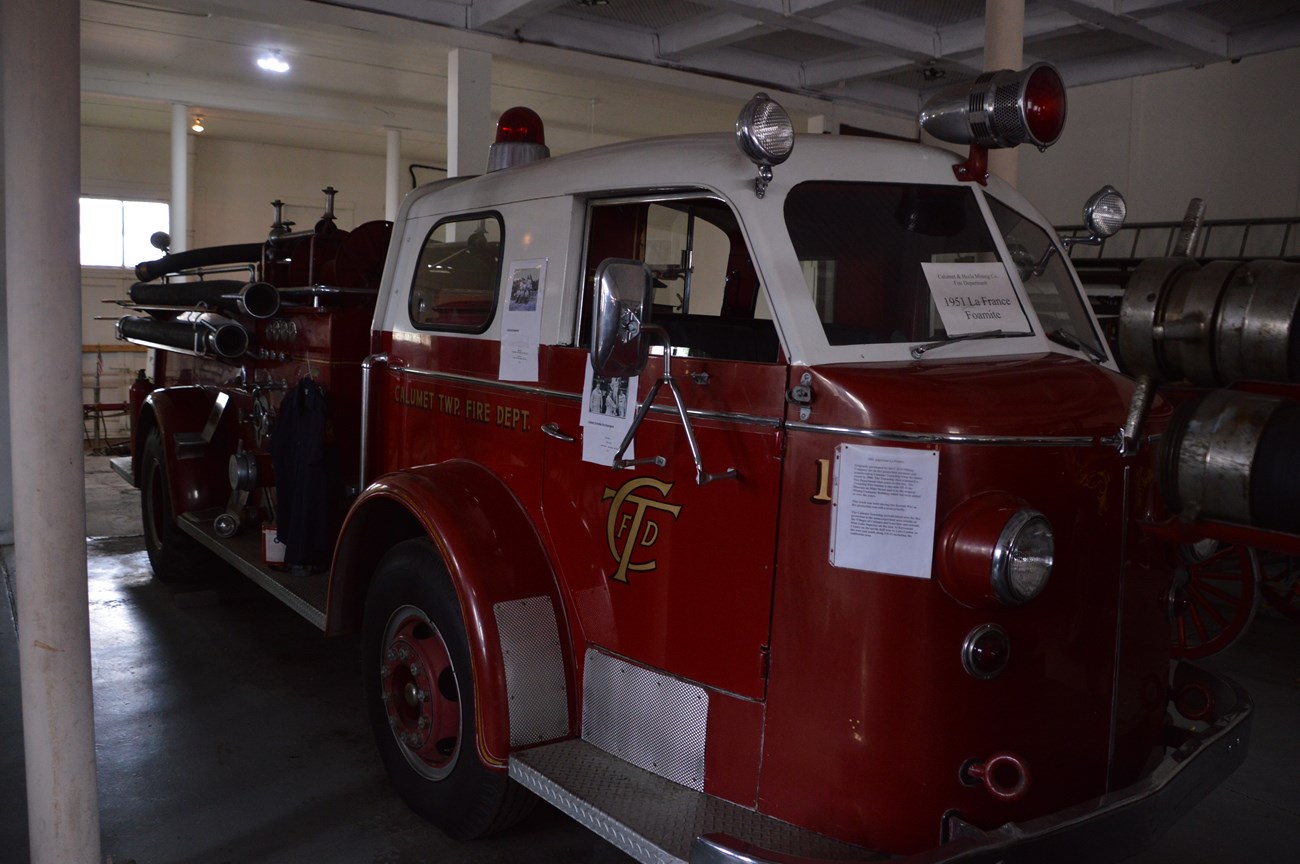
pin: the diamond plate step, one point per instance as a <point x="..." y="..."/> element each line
<point x="652" y="819"/>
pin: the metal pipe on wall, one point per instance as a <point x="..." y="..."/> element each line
<point x="180" y="208"/>
<point x="40" y="47"/>
<point x="1004" y="48"/>
<point x="393" y="173"/>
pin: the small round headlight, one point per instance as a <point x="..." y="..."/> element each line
<point x="764" y="131"/>
<point x="1022" y="558"/>
<point x="1105" y="212"/>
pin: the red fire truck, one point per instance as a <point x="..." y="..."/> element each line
<point x="746" y="501"/>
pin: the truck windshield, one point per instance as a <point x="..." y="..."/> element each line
<point x="870" y="254"/>
<point x="1047" y="281"/>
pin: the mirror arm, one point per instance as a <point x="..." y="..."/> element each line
<point x="701" y="476"/>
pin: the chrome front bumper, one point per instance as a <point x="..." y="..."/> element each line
<point x="1109" y="828"/>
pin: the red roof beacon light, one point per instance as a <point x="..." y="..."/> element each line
<point x="998" y="109"/>
<point x="521" y="139"/>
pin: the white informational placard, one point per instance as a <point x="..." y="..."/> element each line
<point x="975" y="298"/>
<point x="521" y="324"/>
<point x="883" y="509"/>
<point x="608" y="406"/>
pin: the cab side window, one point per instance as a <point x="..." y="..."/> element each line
<point x="456" y="279"/>
<point x="706" y="291"/>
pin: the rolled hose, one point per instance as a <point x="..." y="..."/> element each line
<point x="208" y="256"/>
<point x="204" y="335"/>
<point x="258" y="299"/>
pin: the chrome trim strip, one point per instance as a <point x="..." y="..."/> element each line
<point x="744" y="419"/>
<point x="1126" y="491"/>
<point x="366" y="365"/>
<point x="946" y="437"/>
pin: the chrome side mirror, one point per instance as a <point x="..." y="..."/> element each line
<point x="619" y="343"/>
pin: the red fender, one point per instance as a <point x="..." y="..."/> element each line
<point x="196" y="483"/>
<point x="492" y="552"/>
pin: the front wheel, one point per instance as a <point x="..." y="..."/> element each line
<point x="419" y="693"/>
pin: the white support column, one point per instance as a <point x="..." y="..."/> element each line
<point x="469" y="111"/>
<point x="393" y="174"/>
<point x="1004" y="48"/>
<point x="6" y="477"/>
<point x="180" y="208"/>
<point x="40" y="47"/>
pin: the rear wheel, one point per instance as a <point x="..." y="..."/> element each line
<point x="420" y="695"/>
<point x="173" y="554"/>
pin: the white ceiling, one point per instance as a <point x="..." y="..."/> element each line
<point x="603" y="70"/>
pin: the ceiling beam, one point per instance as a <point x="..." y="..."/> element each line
<point x="506" y="15"/>
<point x="850" y="25"/>
<point x="707" y="32"/>
<point x="300" y="103"/>
<point x="1179" y="33"/>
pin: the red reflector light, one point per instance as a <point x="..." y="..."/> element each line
<point x="986" y="651"/>
<point x="1045" y="105"/>
<point x="520" y="125"/>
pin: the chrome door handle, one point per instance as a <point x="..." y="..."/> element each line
<point x="553" y="430"/>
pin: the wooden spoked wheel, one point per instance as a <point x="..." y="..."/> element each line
<point x="1214" y="597"/>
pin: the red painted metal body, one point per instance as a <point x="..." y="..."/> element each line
<point x="839" y="699"/>
<point x="880" y="655"/>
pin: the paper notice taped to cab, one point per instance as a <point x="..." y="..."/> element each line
<point x="883" y="509"/>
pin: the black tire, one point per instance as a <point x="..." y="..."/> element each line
<point x="174" y="555"/>
<point x="426" y="728"/>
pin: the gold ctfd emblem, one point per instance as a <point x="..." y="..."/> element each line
<point x="627" y="527"/>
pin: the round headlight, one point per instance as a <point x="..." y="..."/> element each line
<point x="764" y="131"/>
<point x="1022" y="558"/>
<point x="1105" y="212"/>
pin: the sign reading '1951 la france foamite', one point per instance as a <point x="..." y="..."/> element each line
<point x="975" y="298"/>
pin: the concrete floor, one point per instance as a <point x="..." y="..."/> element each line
<point x="229" y="731"/>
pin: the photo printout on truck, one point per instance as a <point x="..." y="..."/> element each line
<point x="521" y="325"/>
<point x="883" y="509"/>
<point x="975" y="297"/>
<point x="608" y="406"/>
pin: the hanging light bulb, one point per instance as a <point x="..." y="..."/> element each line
<point x="272" y="61"/>
<point x="197" y="125"/>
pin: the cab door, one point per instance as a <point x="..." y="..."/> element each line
<point x="662" y="570"/>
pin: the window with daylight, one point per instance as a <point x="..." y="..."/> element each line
<point x="115" y="233"/>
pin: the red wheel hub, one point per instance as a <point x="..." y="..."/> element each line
<point x="420" y="694"/>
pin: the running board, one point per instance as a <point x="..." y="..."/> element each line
<point x="654" y="820"/>
<point x="304" y="594"/>
<point x="123" y="467"/>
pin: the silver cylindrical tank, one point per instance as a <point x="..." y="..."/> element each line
<point x="1234" y="456"/>
<point x="1212" y="324"/>
<point x="1258" y="333"/>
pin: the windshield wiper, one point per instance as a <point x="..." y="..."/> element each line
<point x="1061" y="336"/>
<point x="918" y="350"/>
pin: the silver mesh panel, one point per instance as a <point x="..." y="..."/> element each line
<point x="652" y="720"/>
<point x="534" y="663"/>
